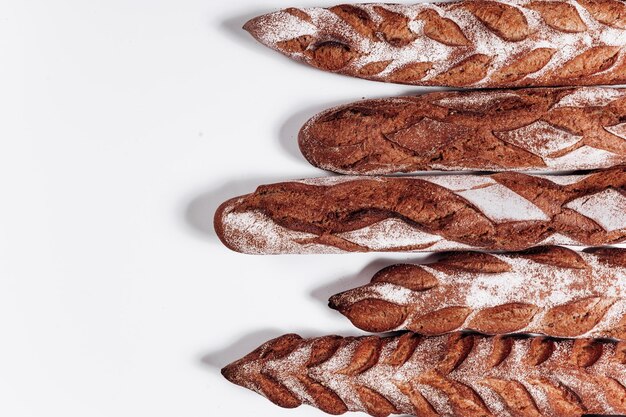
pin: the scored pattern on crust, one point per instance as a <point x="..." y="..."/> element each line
<point x="505" y="211"/>
<point x="549" y="290"/>
<point x="539" y="129"/>
<point x="474" y="43"/>
<point x="452" y="375"/>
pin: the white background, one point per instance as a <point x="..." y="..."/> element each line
<point x="123" y="125"/>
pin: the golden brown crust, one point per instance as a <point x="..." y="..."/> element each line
<point x="548" y="290"/>
<point x="504" y="211"/>
<point x="528" y="129"/>
<point x="451" y="375"/>
<point x="423" y="44"/>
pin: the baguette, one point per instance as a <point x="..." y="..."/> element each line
<point x="550" y="290"/>
<point x="472" y="43"/>
<point x="454" y="375"/>
<point x="504" y="211"/>
<point x="528" y="129"/>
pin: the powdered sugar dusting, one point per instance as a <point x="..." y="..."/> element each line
<point x="461" y="182"/>
<point x="282" y="26"/>
<point x="382" y="291"/>
<point x="325" y="181"/>
<point x="327" y="26"/>
<point x="447" y="245"/>
<point x="277" y="368"/>
<point x="540" y="138"/>
<point x="607" y="208"/>
<point x="585" y="157"/>
<point x="559" y="239"/>
<point x="389" y="234"/>
<point x="476" y="101"/>
<point x="327" y="374"/>
<point x="474" y="371"/>
<point x="527" y="281"/>
<point x="563" y="179"/>
<point x="617" y="130"/>
<point x="255" y="232"/>
<point x="590" y="96"/>
<point x="500" y="203"/>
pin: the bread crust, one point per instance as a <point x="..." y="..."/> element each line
<point x="498" y="130"/>
<point x="504" y="211"/>
<point x="452" y="375"/>
<point x="472" y="43"/>
<point x="549" y="290"/>
<point x="217" y="224"/>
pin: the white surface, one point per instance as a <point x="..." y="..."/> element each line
<point x="124" y="124"/>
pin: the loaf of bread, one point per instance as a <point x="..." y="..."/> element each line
<point x="548" y="290"/>
<point x="454" y="375"/>
<point x="503" y="211"/>
<point x="498" y="130"/>
<point x="477" y="43"/>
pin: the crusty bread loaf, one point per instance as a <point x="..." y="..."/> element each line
<point x="549" y="290"/>
<point x="477" y="43"/>
<point x="454" y="375"/>
<point x="498" y="130"/>
<point x="504" y="211"/>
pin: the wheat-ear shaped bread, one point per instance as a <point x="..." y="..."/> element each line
<point x="453" y="375"/>
<point x="550" y="290"/>
<point x="496" y="130"/>
<point x="473" y="43"/>
<point x="504" y="211"/>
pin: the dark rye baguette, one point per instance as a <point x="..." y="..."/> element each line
<point x="504" y="211"/>
<point x="473" y="43"/>
<point x="454" y="375"/>
<point x="549" y="290"/>
<point x="497" y="130"/>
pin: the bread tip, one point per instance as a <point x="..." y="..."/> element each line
<point x="334" y="302"/>
<point x="218" y="223"/>
<point x="229" y="372"/>
<point x="251" y="26"/>
<point x="246" y="26"/>
<point x="304" y="142"/>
